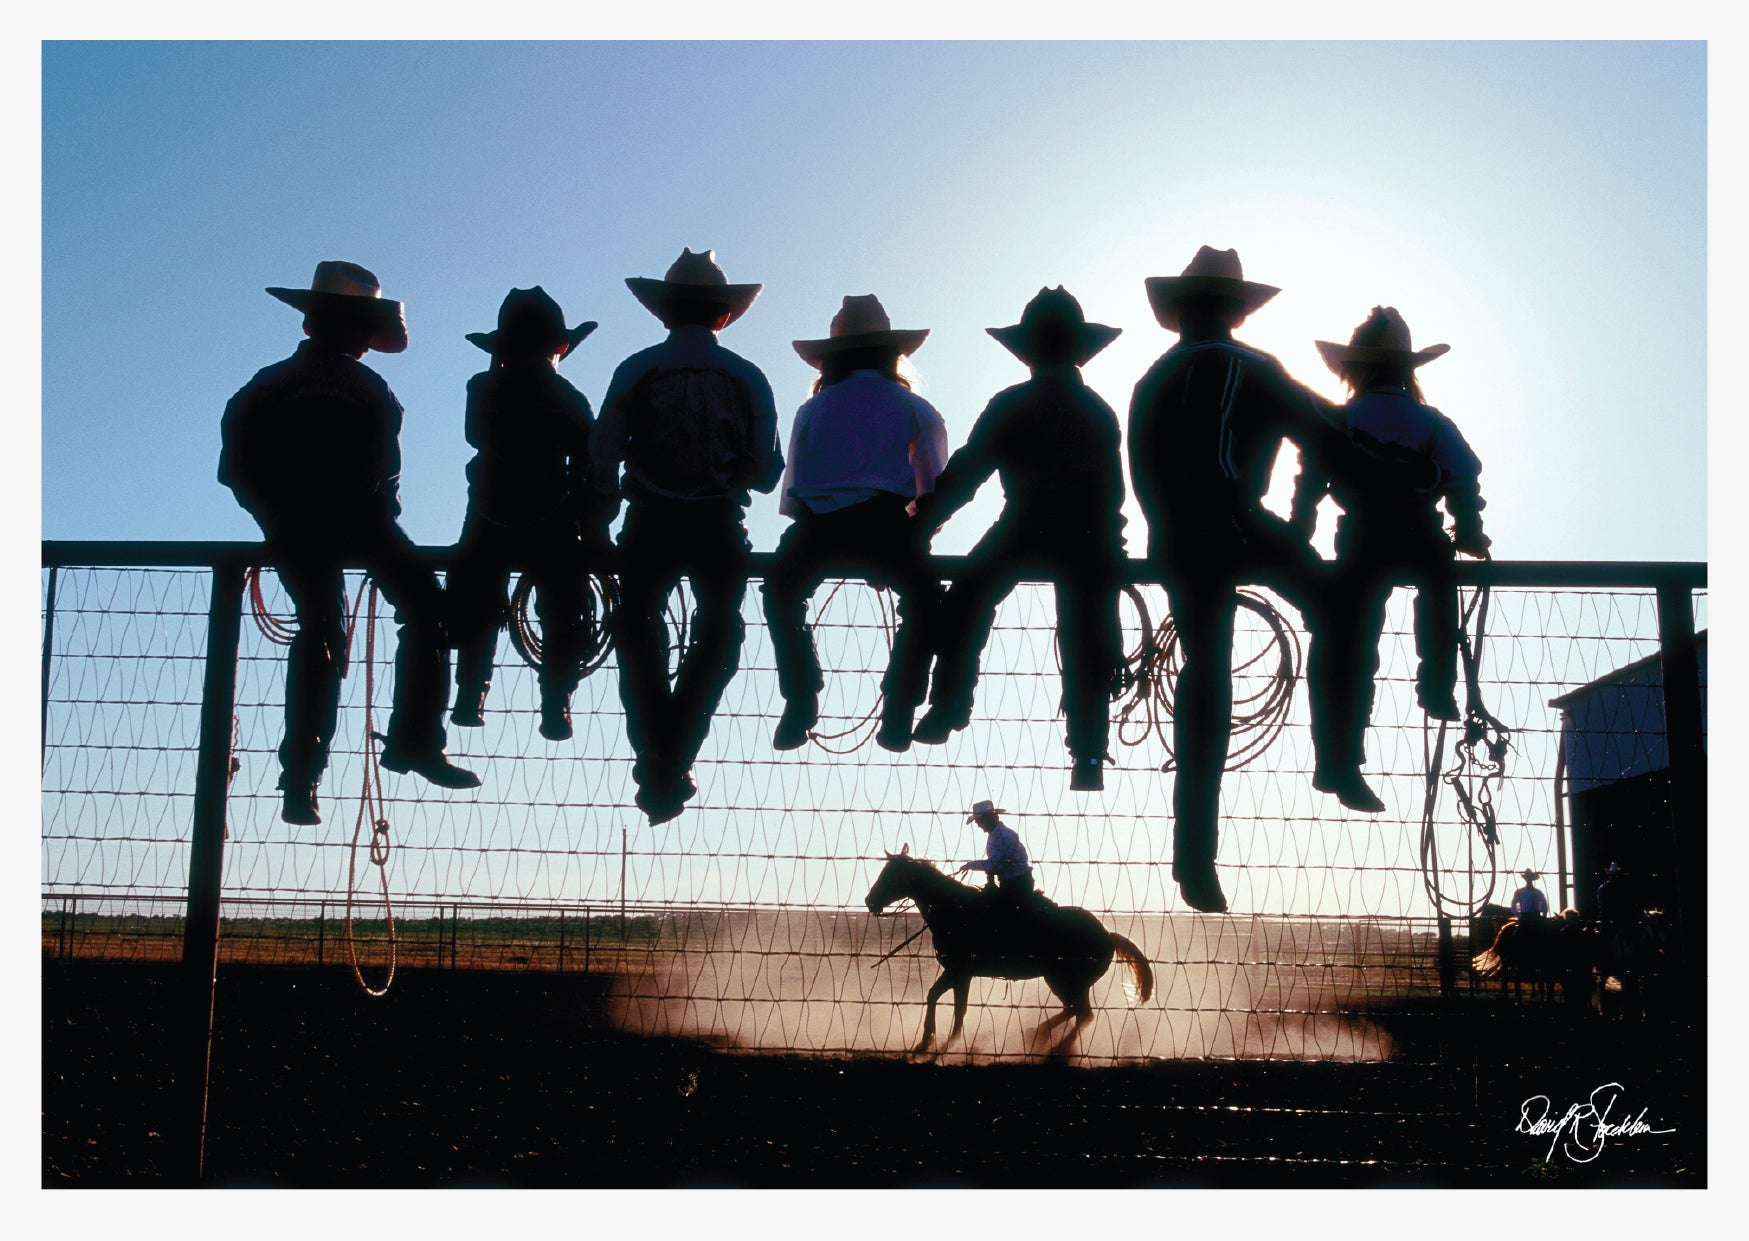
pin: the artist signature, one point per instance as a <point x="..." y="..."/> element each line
<point x="1581" y="1131"/>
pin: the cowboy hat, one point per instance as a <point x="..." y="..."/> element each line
<point x="1053" y="329"/>
<point x="1212" y="273"/>
<point x="1614" y="869"/>
<point x="529" y="320"/>
<point x="1530" y="874"/>
<point x="1383" y="338"/>
<point x="983" y="807"/>
<point x="861" y="323"/>
<point x="694" y="278"/>
<point x="347" y="286"/>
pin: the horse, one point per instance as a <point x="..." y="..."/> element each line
<point x="1542" y="952"/>
<point x="1631" y="964"/>
<point x="979" y="935"/>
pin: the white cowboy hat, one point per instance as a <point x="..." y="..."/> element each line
<point x="861" y="323"/>
<point x="341" y="285"/>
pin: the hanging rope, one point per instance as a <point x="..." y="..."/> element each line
<point x="1156" y="662"/>
<point x="371" y="807"/>
<point x="275" y="629"/>
<point x="599" y="604"/>
<point x="860" y="731"/>
<point x="1477" y="772"/>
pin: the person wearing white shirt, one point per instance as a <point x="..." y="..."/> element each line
<point x="1005" y="861"/>
<point x="862" y="450"/>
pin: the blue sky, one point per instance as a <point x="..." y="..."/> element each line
<point x="1539" y="206"/>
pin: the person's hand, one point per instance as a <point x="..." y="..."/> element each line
<point x="911" y="508"/>
<point x="1474" y="543"/>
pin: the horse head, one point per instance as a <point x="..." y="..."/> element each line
<point x="892" y="883"/>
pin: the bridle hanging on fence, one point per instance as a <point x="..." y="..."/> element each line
<point x="1477" y="772"/>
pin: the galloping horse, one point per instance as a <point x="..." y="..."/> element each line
<point x="980" y="936"/>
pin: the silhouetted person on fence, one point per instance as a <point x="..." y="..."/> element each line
<point x="1401" y="457"/>
<point x="1005" y="864"/>
<point x="1054" y="443"/>
<point x="862" y="450"/>
<point x="311" y="448"/>
<point x="696" y="427"/>
<point x="532" y="504"/>
<point x="1206" y="422"/>
<point x="1528" y="901"/>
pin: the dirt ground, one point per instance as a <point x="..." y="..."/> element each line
<point x="520" y="1080"/>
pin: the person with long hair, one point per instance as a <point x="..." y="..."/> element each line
<point x="1402" y="459"/>
<point x="863" y="449"/>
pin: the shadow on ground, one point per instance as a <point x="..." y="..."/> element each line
<point x="517" y="1079"/>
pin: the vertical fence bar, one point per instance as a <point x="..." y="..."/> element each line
<point x="321" y="930"/>
<point x="200" y="943"/>
<point x="561" y="941"/>
<point x="48" y="651"/>
<point x="1688" y="795"/>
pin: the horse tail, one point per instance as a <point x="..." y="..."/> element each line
<point x="1138" y="980"/>
<point x="1489" y="961"/>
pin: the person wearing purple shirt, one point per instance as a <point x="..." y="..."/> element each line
<point x="695" y="427"/>
<point x="862" y="451"/>
<point x="1005" y="864"/>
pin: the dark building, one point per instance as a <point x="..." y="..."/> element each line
<point x="1616" y="753"/>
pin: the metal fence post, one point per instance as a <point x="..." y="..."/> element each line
<point x="48" y="651"/>
<point x="200" y="942"/>
<point x="321" y="930"/>
<point x="561" y="941"/>
<point x="1688" y="794"/>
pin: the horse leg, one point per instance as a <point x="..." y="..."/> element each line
<point x="935" y="993"/>
<point x="962" y="993"/>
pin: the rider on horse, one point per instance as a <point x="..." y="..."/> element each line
<point x="1004" y="864"/>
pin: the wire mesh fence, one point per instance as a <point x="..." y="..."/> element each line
<point x="742" y="919"/>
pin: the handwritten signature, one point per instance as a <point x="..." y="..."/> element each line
<point x="1582" y="1130"/>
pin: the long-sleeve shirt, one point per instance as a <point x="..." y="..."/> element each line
<point x="1206" y="422"/>
<point x="1004" y="855"/>
<point x="1407" y="451"/>
<point x="862" y="436"/>
<point x="1054" y="443"/>
<point x="691" y="420"/>
<point x="1528" y="900"/>
<point x="531" y="428"/>
<point x="313" y="437"/>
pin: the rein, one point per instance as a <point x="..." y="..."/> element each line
<point x="889" y="955"/>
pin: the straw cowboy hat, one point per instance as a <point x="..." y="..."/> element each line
<point x="694" y="278"/>
<point x="1530" y="874"/>
<point x="1053" y="329"/>
<point x="530" y="321"/>
<point x="347" y="286"/>
<point x="983" y="807"/>
<point x="1383" y="338"/>
<point x="861" y="323"/>
<point x="1212" y="273"/>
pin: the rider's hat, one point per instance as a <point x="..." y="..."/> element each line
<point x="1614" y="869"/>
<point x="861" y="323"/>
<point x="530" y="320"/>
<point x="1531" y="874"/>
<point x="1053" y="328"/>
<point x="1211" y="272"/>
<point x="983" y="807"/>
